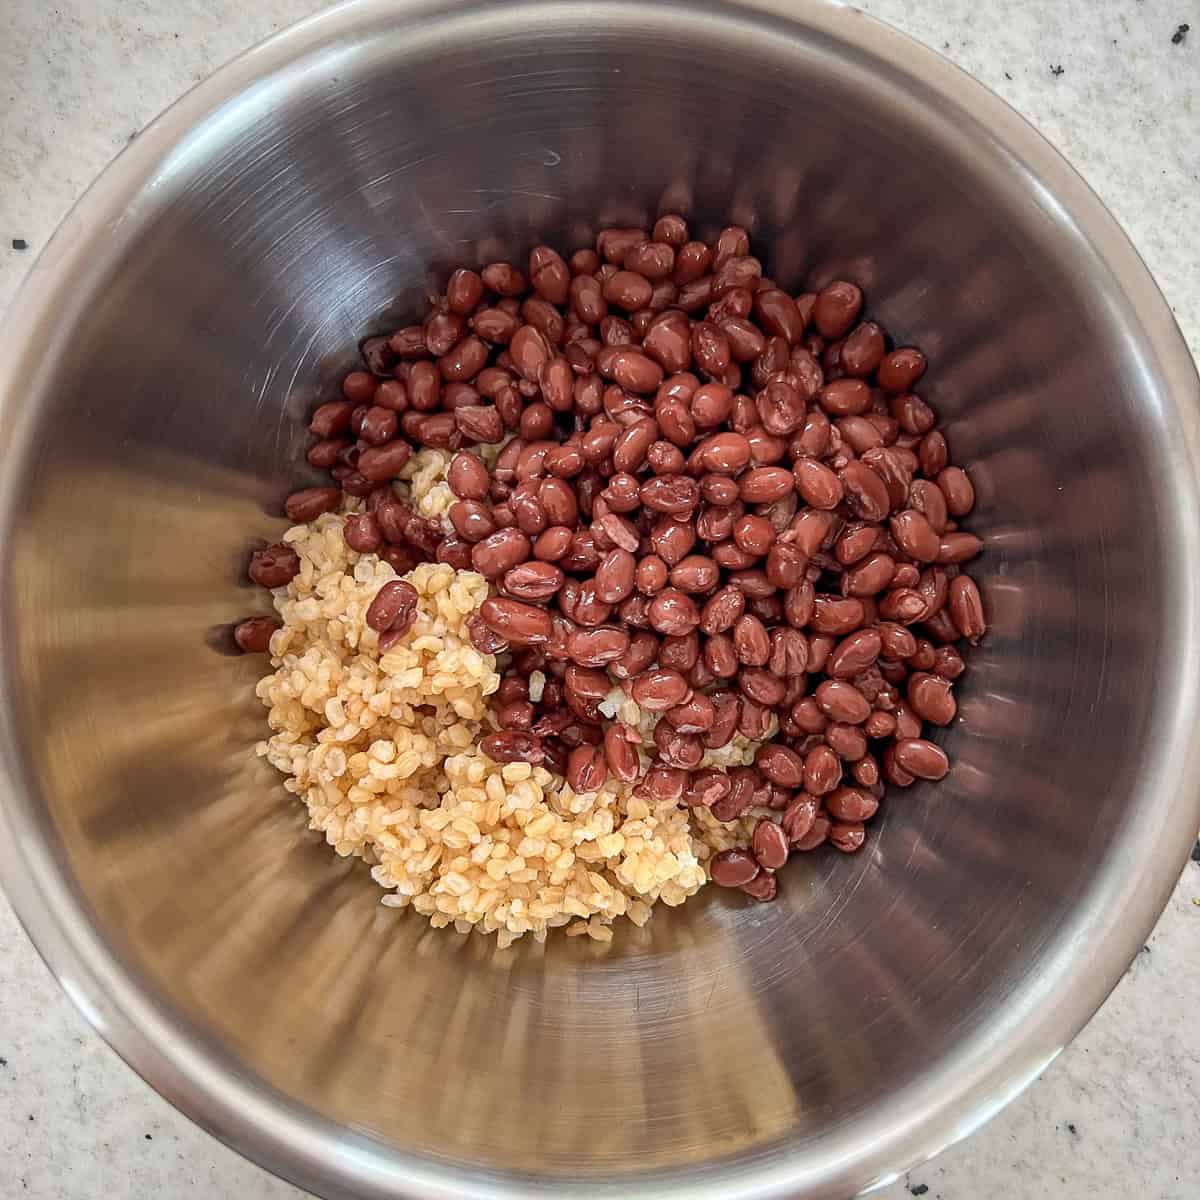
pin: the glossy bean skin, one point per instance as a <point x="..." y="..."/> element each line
<point x="394" y="607"/>
<point x="253" y="636"/>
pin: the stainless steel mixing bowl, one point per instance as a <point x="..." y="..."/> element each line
<point x="155" y="375"/>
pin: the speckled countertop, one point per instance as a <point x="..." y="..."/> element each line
<point x="1115" y="84"/>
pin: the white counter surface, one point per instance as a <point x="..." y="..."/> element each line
<point x="1117" y="1114"/>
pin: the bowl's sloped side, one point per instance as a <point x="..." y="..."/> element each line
<point x="159" y="364"/>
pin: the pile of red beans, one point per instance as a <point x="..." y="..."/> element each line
<point x="729" y="499"/>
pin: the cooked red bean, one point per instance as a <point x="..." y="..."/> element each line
<point x="597" y="647"/>
<point x="253" y="636"/>
<point x="848" y="742"/>
<point x="958" y="491"/>
<point x="763" y="887"/>
<point x="362" y="533"/>
<point x="533" y="581"/>
<point x="724" y="454"/>
<point x="665" y="783"/>
<point x="558" y="502"/>
<point x="670" y="494"/>
<point x="329" y="453"/>
<point x="817" y="834"/>
<point x="659" y="690"/>
<point x="635" y="371"/>
<point x="586" y="768"/>
<point x="948" y="663"/>
<point x="770" y="845"/>
<point x="789" y="655"/>
<point x="309" y="504"/>
<point x="683" y="750"/>
<point x="879" y="725"/>
<point x="847" y="804"/>
<point x="847" y="836"/>
<point x="781" y="407"/>
<point x="697" y="714"/>
<point x="334" y="417"/>
<point x="866" y="494"/>
<point x="504" y="278"/>
<point x="751" y="641"/>
<point x="958" y="548"/>
<point x="512" y="746"/>
<point x="468" y="477"/>
<point x="464" y="290"/>
<point x="753" y="534"/>
<point x="854" y="654"/>
<point x="275" y="566"/>
<point x="780" y="764"/>
<point x="628" y="290"/>
<point x="863" y="350"/>
<point x="845" y="398"/>
<point x="633" y="443"/>
<point x="515" y="621"/>
<point x="966" y="608"/>
<point x="761" y="686"/>
<point x="394" y="607"/>
<point x="870" y="576"/>
<point x="695" y="574"/>
<point x="733" y="868"/>
<point x="799" y="816"/>
<point x="621" y="755"/>
<point x="615" y="576"/>
<point x="836" y="309"/>
<point x="898" y="371"/>
<point x="706" y="788"/>
<point x="720" y="656"/>
<point x="721" y="610"/>
<point x="761" y="485"/>
<point x="381" y="463"/>
<point x="931" y="698"/>
<point x="358" y="387"/>
<point x="841" y="701"/>
<point x="673" y="612"/>
<point x="817" y="484"/>
<point x="516" y="714"/>
<point x="822" y="770"/>
<point x="921" y="758"/>
<point x="500" y="551"/>
<point x="711" y="352"/>
<point x="651" y="574"/>
<point x="927" y="499"/>
<point x="552" y="544"/>
<point x="463" y="361"/>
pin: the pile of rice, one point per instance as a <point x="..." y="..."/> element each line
<point x="384" y="752"/>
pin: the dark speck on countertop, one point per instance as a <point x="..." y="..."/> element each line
<point x="1180" y="33"/>
<point x="1072" y="1130"/>
<point x="20" y="244"/>
<point x="1056" y="69"/>
<point x="918" y="1189"/>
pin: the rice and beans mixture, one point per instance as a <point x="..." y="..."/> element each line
<point x="633" y="572"/>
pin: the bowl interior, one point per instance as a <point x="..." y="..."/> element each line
<point x="162" y="419"/>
